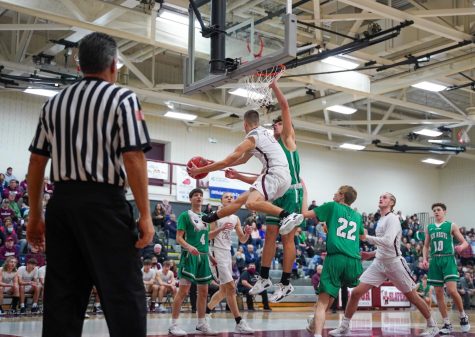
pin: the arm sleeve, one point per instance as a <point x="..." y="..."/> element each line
<point x="391" y="231"/>
<point x="40" y="144"/>
<point x="132" y="128"/>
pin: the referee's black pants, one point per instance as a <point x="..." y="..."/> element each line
<point x="90" y="237"/>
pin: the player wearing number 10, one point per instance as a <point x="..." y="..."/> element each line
<point x="443" y="268"/>
<point x="342" y="266"/>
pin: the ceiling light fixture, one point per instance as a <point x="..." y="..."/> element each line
<point x="349" y="146"/>
<point x="246" y="93"/>
<point x="180" y="115"/>
<point x="433" y="161"/>
<point x="339" y="62"/>
<point x="342" y="109"/>
<point x="429" y="86"/>
<point x="428" y="133"/>
<point x="41" y="92"/>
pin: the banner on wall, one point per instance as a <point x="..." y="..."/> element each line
<point x="157" y="170"/>
<point x="365" y="301"/>
<point x="219" y="184"/>
<point x="184" y="184"/>
<point x="392" y="297"/>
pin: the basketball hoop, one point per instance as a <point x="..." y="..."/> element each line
<point x="257" y="85"/>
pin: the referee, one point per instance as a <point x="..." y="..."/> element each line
<point x="95" y="134"/>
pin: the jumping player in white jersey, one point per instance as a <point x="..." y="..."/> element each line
<point x="273" y="182"/>
<point x="220" y="239"/>
<point x="389" y="264"/>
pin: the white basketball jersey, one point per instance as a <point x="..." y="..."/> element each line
<point x="388" y="237"/>
<point x="147" y="276"/>
<point x="267" y="149"/>
<point x="7" y="276"/>
<point x="26" y="276"/>
<point x="223" y="239"/>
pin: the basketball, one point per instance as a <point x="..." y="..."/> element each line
<point x="199" y="162"/>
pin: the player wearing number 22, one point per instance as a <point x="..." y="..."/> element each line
<point x="342" y="266"/>
<point x="439" y="238"/>
<point x="194" y="265"/>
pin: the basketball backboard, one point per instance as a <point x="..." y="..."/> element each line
<point x="247" y="44"/>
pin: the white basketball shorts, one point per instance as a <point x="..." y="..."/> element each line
<point x="396" y="270"/>
<point x="223" y="270"/>
<point x="274" y="183"/>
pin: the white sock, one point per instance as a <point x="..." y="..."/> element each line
<point x="446" y="320"/>
<point x="174" y="321"/>
<point x="34" y="305"/>
<point x="201" y="321"/>
<point x="22" y="305"/>
<point x="431" y="322"/>
<point x="345" y="321"/>
<point x="462" y="314"/>
<point x="317" y="335"/>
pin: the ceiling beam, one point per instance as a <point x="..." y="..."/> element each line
<point x="396" y="122"/>
<point x="420" y="23"/>
<point x="37" y="26"/>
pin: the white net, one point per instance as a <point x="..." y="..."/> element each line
<point x="257" y="85"/>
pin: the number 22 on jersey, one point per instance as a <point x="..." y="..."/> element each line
<point x="344" y="224"/>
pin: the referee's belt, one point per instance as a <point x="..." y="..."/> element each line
<point x="296" y="186"/>
<point x="440" y="255"/>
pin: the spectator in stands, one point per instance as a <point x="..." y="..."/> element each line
<point x="466" y="289"/>
<point x="28" y="283"/>
<point x="309" y="245"/>
<point x="6" y="211"/>
<point x="158" y="217"/>
<point x="246" y="281"/>
<point x="8" y="250"/>
<point x="240" y="259"/>
<point x="320" y="231"/>
<point x="320" y="246"/>
<point x="166" y="282"/>
<point x="160" y="252"/>
<point x="14" y="205"/>
<point x="9" y="230"/>
<point x="24" y="184"/>
<point x="255" y="236"/>
<point x="170" y="228"/>
<point x="235" y="270"/>
<point x="251" y="256"/>
<point x="208" y="209"/>
<point x="149" y="277"/>
<point x="316" y="277"/>
<point x="466" y="257"/>
<point x="3" y="182"/>
<point x="2" y="239"/>
<point x="24" y="207"/>
<point x="12" y="188"/>
<point x="9" y="282"/>
<point x="155" y="265"/>
<point x="312" y="205"/>
<point x="167" y="207"/>
<point x="34" y="253"/>
<point x="9" y="175"/>
<point x="424" y="290"/>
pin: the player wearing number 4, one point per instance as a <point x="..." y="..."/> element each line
<point x="342" y="266"/>
<point x="389" y="264"/>
<point x="220" y="236"/>
<point x="443" y="267"/>
<point x="273" y="182"/>
<point x="194" y="264"/>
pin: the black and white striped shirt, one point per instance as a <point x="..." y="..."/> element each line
<point x="86" y="127"/>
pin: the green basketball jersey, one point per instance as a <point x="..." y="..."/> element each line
<point x="441" y="240"/>
<point x="294" y="163"/>
<point x="196" y="238"/>
<point x="344" y="228"/>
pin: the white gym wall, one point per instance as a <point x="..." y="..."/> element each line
<point x="416" y="185"/>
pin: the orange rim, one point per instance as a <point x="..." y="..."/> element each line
<point x="280" y="69"/>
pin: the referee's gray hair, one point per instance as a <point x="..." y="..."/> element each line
<point x="96" y="52"/>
